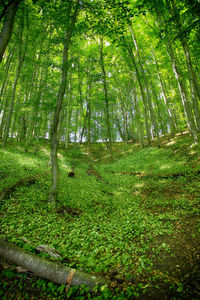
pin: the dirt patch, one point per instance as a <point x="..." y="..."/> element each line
<point x="66" y="210"/>
<point x="177" y="256"/>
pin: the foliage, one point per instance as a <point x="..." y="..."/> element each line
<point x="107" y="222"/>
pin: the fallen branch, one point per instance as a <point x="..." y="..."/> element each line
<point x="44" y="248"/>
<point x="129" y="173"/>
<point x="49" y="250"/>
<point x="52" y="271"/>
<point x="25" y="181"/>
<point x="164" y="176"/>
<point x="93" y="172"/>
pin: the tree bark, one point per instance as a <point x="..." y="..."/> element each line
<point x="53" y="271"/>
<point x="194" y="84"/>
<point x="68" y="114"/>
<point x="183" y="91"/>
<point x="170" y="114"/>
<point x="10" y="112"/>
<point x="105" y="85"/>
<point x="54" y="129"/>
<point x="5" y="78"/>
<point x="129" y="49"/>
<point x="140" y="128"/>
<point x="6" y="31"/>
<point x="151" y="110"/>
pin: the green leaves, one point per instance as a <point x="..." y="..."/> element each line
<point x="116" y="224"/>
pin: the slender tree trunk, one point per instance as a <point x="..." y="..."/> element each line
<point x="119" y="128"/>
<point x="84" y="126"/>
<point x="54" y="129"/>
<point x="7" y="28"/>
<point x="170" y="114"/>
<point x="8" y="121"/>
<point x="69" y="115"/>
<point x="23" y="120"/>
<point x="105" y="85"/>
<point x="35" y="93"/>
<point x="5" y="81"/>
<point x="129" y="49"/>
<point x="194" y="84"/>
<point x="5" y="113"/>
<point x="140" y="128"/>
<point x="151" y="110"/>
<point x="183" y="91"/>
<point x="181" y="85"/>
<point x="76" y="127"/>
<point x="160" y="111"/>
<point x="20" y="64"/>
<point x="124" y="114"/>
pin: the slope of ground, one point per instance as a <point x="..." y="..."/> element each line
<point x="134" y="220"/>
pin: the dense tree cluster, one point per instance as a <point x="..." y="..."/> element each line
<point x="98" y="70"/>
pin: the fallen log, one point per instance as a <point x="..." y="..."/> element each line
<point x="52" y="271"/>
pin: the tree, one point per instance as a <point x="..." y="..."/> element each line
<point x="71" y="17"/>
<point x="8" y="13"/>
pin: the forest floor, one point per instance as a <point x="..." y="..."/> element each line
<point x="134" y="220"/>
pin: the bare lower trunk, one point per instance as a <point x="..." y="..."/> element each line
<point x="106" y="99"/>
<point x="140" y="128"/>
<point x="5" y="81"/>
<point x="170" y="114"/>
<point x="129" y="49"/>
<point x="10" y="112"/>
<point x="183" y="92"/>
<point x="54" y="129"/>
<point x="149" y="100"/>
<point x="194" y="84"/>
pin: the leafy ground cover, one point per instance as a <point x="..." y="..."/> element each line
<point x="134" y="220"/>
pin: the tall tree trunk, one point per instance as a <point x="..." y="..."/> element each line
<point x="170" y="114"/>
<point x="6" y="31"/>
<point x="8" y="121"/>
<point x="119" y="127"/>
<point x="35" y="94"/>
<point x="5" y="113"/>
<point x="84" y="126"/>
<point x="69" y="115"/>
<point x="151" y="110"/>
<point x="4" y="79"/>
<point x="181" y="85"/>
<point x="183" y="91"/>
<point x="105" y="86"/>
<point x="19" y="67"/>
<point x="129" y="49"/>
<point x="124" y="114"/>
<point x="194" y="84"/>
<point x="160" y="111"/>
<point x="54" y="129"/>
<point x="144" y="102"/>
<point x="139" y="124"/>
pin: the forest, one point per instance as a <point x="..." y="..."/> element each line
<point x="99" y="149"/>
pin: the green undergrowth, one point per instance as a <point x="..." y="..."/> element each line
<point x="129" y="220"/>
